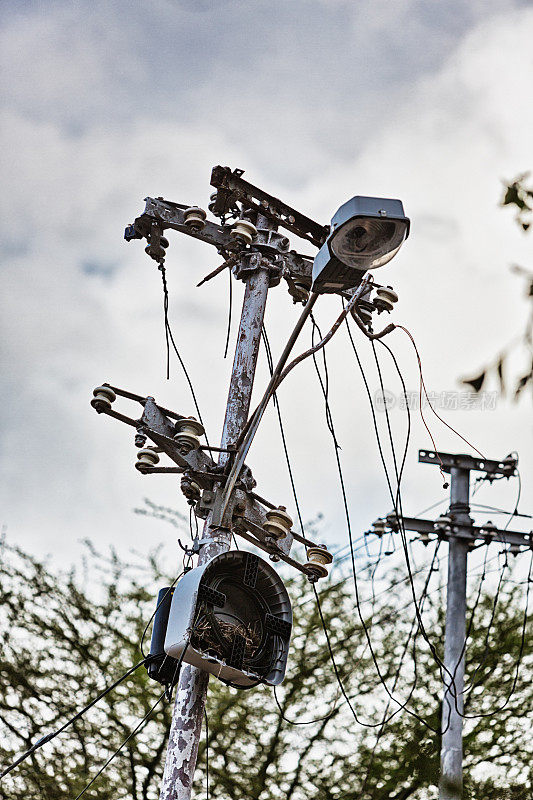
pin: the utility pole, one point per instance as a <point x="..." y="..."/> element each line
<point x="364" y="233"/>
<point x="451" y="759"/>
<point x="191" y="691"/>
<point x="456" y="527"/>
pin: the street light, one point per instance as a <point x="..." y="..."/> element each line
<point x="366" y="232"/>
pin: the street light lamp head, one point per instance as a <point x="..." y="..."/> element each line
<point x="366" y="232"/>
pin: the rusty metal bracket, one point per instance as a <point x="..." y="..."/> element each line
<point x="232" y="189"/>
<point x="155" y="423"/>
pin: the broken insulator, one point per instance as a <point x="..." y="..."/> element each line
<point x="188" y="432"/>
<point x="146" y="457"/>
<point x="244" y="231"/>
<point x="318" y="559"/>
<point x="194" y="218"/>
<point x="385" y="299"/>
<point x="190" y="489"/>
<point x="103" y="396"/>
<point x="278" y="523"/>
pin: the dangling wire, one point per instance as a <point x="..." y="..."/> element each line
<point x="229" y="313"/>
<point x="169" y="338"/>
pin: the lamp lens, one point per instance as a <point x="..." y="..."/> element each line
<point x="368" y="243"/>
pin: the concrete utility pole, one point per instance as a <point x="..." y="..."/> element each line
<point x="451" y="758"/>
<point x="456" y="527"/>
<point x="192" y="687"/>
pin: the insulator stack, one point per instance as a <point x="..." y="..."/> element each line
<point x="103" y="396"/>
<point x="278" y="523"/>
<point x="194" y="218"/>
<point x="243" y="230"/>
<point x="146" y="457"/>
<point x="379" y="527"/>
<point x="318" y="559"/>
<point x="385" y="298"/>
<point x="190" y="489"/>
<point x="188" y="432"/>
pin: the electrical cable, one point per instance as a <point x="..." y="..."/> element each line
<point x="143" y="721"/>
<point x="423" y="385"/>
<point x="306" y="721"/>
<point x="397" y="675"/>
<point x="206" y="753"/>
<point x="169" y="337"/>
<point x="281" y="428"/>
<point x="49" y="736"/>
<point x="452" y="676"/>
<point x="397" y="504"/>
<point x="137" y="728"/>
<point x="520" y="652"/>
<point x="324" y="386"/>
<point x="230" y="306"/>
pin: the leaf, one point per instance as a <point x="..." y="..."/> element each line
<point x="476" y="383"/>
<point x="522" y="383"/>
<point x="499" y="370"/>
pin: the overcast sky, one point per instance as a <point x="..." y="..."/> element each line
<point x="106" y="103"/>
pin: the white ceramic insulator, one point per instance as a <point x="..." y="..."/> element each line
<point x="147" y="457"/>
<point x="387" y="294"/>
<point x="244" y="230"/>
<point x="188" y="432"/>
<point x="278" y="523"/>
<point x="194" y="217"/>
<point x="103" y="396"/>
<point x="318" y="559"/>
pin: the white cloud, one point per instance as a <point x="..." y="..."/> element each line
<point x="89" y="133"/>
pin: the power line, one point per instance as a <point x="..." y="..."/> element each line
<point x="49" y="736"/>
<point x="137" y="728"/>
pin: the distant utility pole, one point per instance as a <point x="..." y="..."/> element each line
<point x="457" y="529"/>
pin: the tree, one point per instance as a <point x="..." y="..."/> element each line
<point x="67" y="636"/>
<point x="519" y="195"/>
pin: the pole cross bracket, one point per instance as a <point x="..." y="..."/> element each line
<point x="506" y="467"/>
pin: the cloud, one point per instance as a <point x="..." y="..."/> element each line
<point x="318" y="101"/>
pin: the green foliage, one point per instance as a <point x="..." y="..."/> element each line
<point x="521" y="196"/>
<point x="67" y="636"/>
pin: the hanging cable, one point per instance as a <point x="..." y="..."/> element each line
<point x="49" y="736"/>
<point x="137" y="728"/>
<point x="275" y="400"/>
<point x="207" y="752"/>
<point x="170" y="338"/>
<point x="387" y="719"/>
<point x="324" y="386"/>
<point x="230" y="306"/>
<point x="396" y="501"/>
<point x="423" y="386"/>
